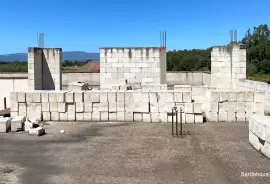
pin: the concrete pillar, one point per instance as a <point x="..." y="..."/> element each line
<point x="44" y="69"/>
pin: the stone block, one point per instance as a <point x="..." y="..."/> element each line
<point x="39" y="131"/>
<point x="138" y="117"/>
<point x="46" y="116"/>
<point x="104" y="95"/>
<point x="178" y="97"/>
<point x="129" y="117"/>
<point x="170" y="96"/>
<point x="61" y="107"/>
<point x="240" y="117"/>
<point x="190" y="118"/>
<point x="78" y="96"/>
<point x="34" y="111"/>
<point x="87" y="116"/>
<point x="254" y="141"/>
<point x="153" y="96"/>
<point x="146" y="117"/>
<point x="112" y="116"/>
<point x="17" y="123"/>
<point x="53" y="107"/>
<point x="79" y="116"/>
<point x="44" y="97"/>
<point x="166" y="107"/>
<point x="223" y="96"/>
<point x="142" y="107"/>
<point x="232" y="96"/>
<point x="232" y="107"/>
<point x="231" y="117"/>
<point x="88" y="107"/>
<point x="188" y="108"/>
<point x="198" y="118"/>
<point x="154" y="107"/>
<point x="60" y="96"/>
<point x="213" y="117"/>
<point x="259" y="96"/>
<point x="129" y="96"/>
<point x="249" y="96"/>
<point x="21" y="97"/>
<point x="54" y="116"/>
<point x="214" y="96"/>
<point x="103" y="107"/>
<point x="70" y="97"/>
<point x="197" y="107"/>
<point x="104" y="116"/>
<point x="45" y="106"/>
<point x="223" y="107"/>
<point x="112" y="95"/>
<point x="14" y="113"/>
<point x="223" y="116"/>
<point x="163" y="116"/>
<point x="259" y="108"/>
<point x="241" y="97"/>
<point x="92" y="96"/>
<point x="14" y="106"/>
<point x="214" y="107"/>
<point x="120" y="116"/>
<point x="187" y="97"/>
<point x="79" y="107"/>
<point x="53" y="96"/>
<point x="22" y="109"/>
<point x="155" y="117"/>
<point x="140" y="96"/>
<point x="121" y="96"/>
<point x="266" y="149"/>
<point x="14" y="96"/>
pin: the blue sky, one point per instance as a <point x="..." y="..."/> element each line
<point x="86" y="25"/>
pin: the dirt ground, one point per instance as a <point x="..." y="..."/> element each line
<point x="123" y="153"/>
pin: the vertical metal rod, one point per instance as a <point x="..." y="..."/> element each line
<point x="172" y="123"/>
<point x="181" y="123"/>
<point x="5" y="102"/>
<point x="176" y="112"/>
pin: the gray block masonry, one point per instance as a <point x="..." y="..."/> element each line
<point x="44" y="68"/>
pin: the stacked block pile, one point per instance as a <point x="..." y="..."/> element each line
<point x="233" y="106"/>
<point x="105" y="105"/>
<point x="119" y="66"/>
<point x="259" y="133"/>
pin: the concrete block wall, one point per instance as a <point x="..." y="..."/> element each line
<point x="119" y="66"/>
<point x="44" y="68"/>
<point x="228" y="65"/>
<point x="250" y="85"/>
<point x="233" y="106"/>
<point x="259" y="133"/>
<point x="106" y="105"/>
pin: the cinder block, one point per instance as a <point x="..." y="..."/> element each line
<point x="198" y="118"/>
<point x="17" y="123"/>
<point x="29" y="97"/>
<point x="190" y="118"/>
<point x="170" y="96"/>
<point x="21" y="97"/>
<point x="178" y="97"/>
<point x="78" y="95"/>
<point x="138" y="117"/>
<point x="54" y="116"/>
<point x="45" y="106"/>
<point x="223" y="116"/>
<point x="240" y="96"/>
<point x="112" y="95"/>
<point x="120" y="107"/>
<point x="53" y="96"/>
<point x="249" y="97"/>
<point x="240" y="117"/>
<point x="46" y="116"/>
<point x="14" y="96"/>
<point x="187" y="97"/>
<point x="142" y="107"/>
<point x="5" y="125"/>
<point x="223" y="96"/>
<point x="129" y="117"/>
<point x="146" y="117"/>
<point x="103" y="107"/>
<point x="214" y="107"/>
<point x="129" y="96"/>
<point x="60" y="96"/>
<point x="240" y="107"/>
<point x="188" y="108"/>
<point x="112" y="116"/>
<point x="79" y="116"/>
<point x="88" y="107"/>
<point x="79" y="107"/>
<point x="141" y="96"/>
<point x="70" y="97"/>
<point x="36" y="97"/>
<point x="155" y="117"/>
<point x="61" y="107"/>
<point x="71" y="115"/>
<point x="121" y="116"/>
<point x="53" y="107"/>
<point x="214" y="96"/>
<point x="104" y="116"/>
<point x="120" y="96"/>
<point x="44" y="97"/>
<point x="34" y="111"/>
<point x="87" y="116"/>
<point x="154" y="107"/>
<point x="259" y="96"/>
<point x="153" y="96"/>
<point x="70" y="107"/>
<point x="92" y="96"/>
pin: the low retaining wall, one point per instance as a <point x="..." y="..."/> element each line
<point x="105" y="105"/>
<point x="256" y="86"/>
<point x="259" y="133"/>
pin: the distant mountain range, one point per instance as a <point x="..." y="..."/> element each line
<point x="72" y="56"/>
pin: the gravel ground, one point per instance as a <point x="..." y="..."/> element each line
<point x="123" y="153"/>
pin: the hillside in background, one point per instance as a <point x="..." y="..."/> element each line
<point x="71" y="56"/>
